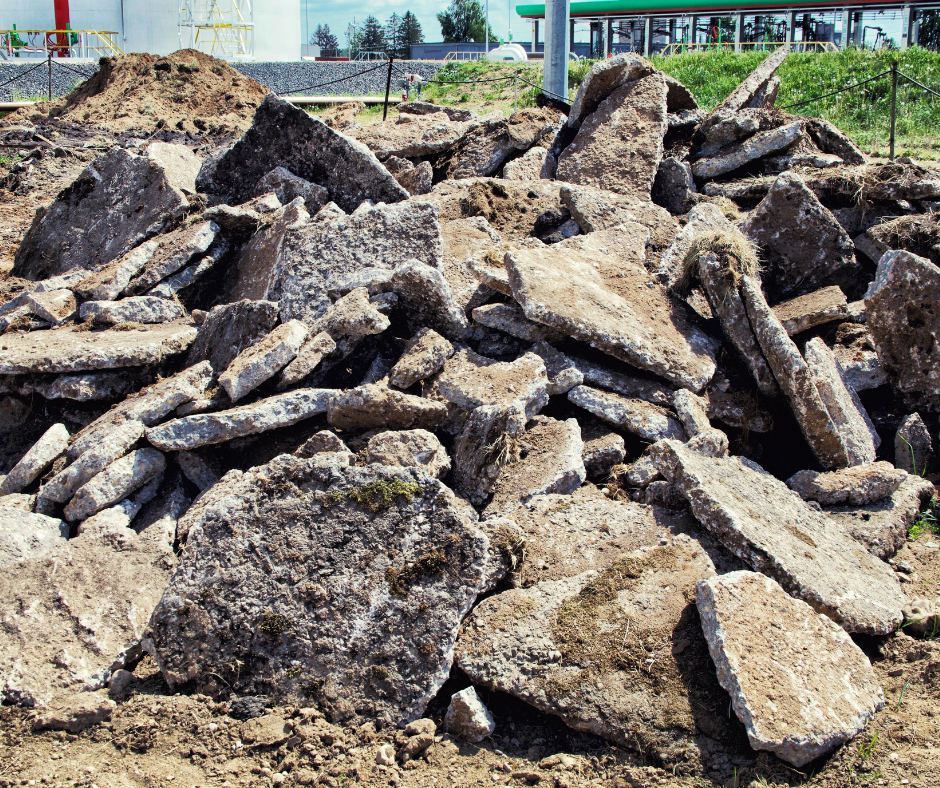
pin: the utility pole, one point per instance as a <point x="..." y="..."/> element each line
<point x="487" y="25"/>
<point x="557" y="17"/>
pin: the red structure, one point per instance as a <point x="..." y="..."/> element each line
<point x="62" y="21"/>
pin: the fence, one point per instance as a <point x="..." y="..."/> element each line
<point x="47" y="64"/>
<point x="65" y="43"/>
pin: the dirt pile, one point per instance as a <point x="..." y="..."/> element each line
<point x="187" y="90"/>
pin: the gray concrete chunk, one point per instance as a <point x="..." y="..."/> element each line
<point x="263" y="360"/>
<point x="43" y="453"/>
<point x="26" y="535"/>
<point x="115" y="483"/>
<point x="797" y="681"/>
<point x="139" y="309"/>
<point x="425" y="353"/>
<point x="858" y="486"/>
<point x="647" y="421"/>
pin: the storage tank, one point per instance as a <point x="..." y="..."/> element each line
<point x="508" y="53"/>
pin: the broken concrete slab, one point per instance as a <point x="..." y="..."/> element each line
<point x="572" y="650"/>
<point x="230" y="329"/>
<point x="813" y="309"/>
<point x="602" y="80"/>
<point x="372" y="406"/>
<point x="603" y="448"/>
<point x="619" y="146"/>
<point x="110" y="447"/>
<point x="409" y="449"/>
<point x="738" y="409"/>
<point x="510" y="319"/>
<point x="856" y="486"/>
<point x="470" y="380"/>
<point x="108" y="282"/>
<point x="53" y="306"/>
<point x="861" y="369"/>
<point x="643" y="419"/>
<point x="901" y="304"/>
<point x="110" y="584"/>
<point x="288" y="187"/>
<point x="78" y="713"/>
<point x="25" y="535"/>
<point x="673" y="185"/>
<point x="41" y="455"/>
<point x="425" y="353"/>
<point x="114" y="483"/>
<point x="830" y="140"/>
<point x="404" y="567"/>
<point x="176" y="250"/>
<point x="630" y="386"/>
<point x="308" y="358"/>
<point x="550" y="463"/>
<point x="203" y="429"/>
<point x="797" y="680"/>
<point x="427" y="300"/>
<point x="796" y="379"/>
<point x="71" y="349"/>
<point x="150" y="406"/>
<point x="120" y="200"/>
<point x="172" y="285"/>
<point x="692" y="411"/>
<point x="317" y="255"/>
<point x="416" y="179"/>
<point x="410" y="136"/>
<point x="913" y="446"/>
<point x="563" y="290"/>
<point x="263" y="360"/>
<point x="286" y="136"/>
<point x="736" y="156"/>
<point x="138" y="309"/>
<point x="802" y="243"/>
<point x="427" y="108"/>
<point x="528" y="167"/>
<point x="467" y="717"/>
<point x="771" y="529"/>
<point x="856" y="431"/>
<point x="488" y="440"/>
<point x="882" y="526"/>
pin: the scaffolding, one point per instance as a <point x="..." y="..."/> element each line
<point x="222" y="28"/>
<point x="59" y="43"/>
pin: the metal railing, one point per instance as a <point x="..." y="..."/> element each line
<point x="764" y="46"/>
<point x="456" y="57"/>
<point x="64" y="43"/>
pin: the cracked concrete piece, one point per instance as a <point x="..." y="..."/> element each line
<point x="562" y="289"/>
<point x="427" y="300"/>
<point x="467" y="717"/>
<point x="172" y="285"/>
<point x="263" y="360"/>
<point x="736" y="156"/>
<point x="856" y="486"/>
<point x="176" y="250"/>
<point x="643" y="419"/>
<point x="772" y="530"/>
<point x="371" y="406"/>
<point x="551" y="464"/>
<point x="801" y="242"/>
<point x="409" y="449"/>
<point x="229" y="329"/>
<point x="813" y="309"/>
<point x="150" y="406"/>
<point x="40" y="456"/>
<point x="705" y="219"/>
<point x="288" y="187"/>
<point x="797" y="680"/>
<point x="602" y="80"/>
<point x="202" y="429"/>
<point x="73" y="350"/>
<point x="25" y="535"/>
<point x="528" y="167"/>
<point x="510" y="319"/>
<point x="118" y="201"/>
<point x="913" y="446"/>
<point x="404" y="570"/>
<point x="572" y="650"/>
<point x="353" y="315"/>
<point x="111" y="446"/>
<point x="114" y="483"/>
<point x="287" y="136"/>
<point x="487" y="441"/>
<point x="882" y="525"/>
<point x="425" y="353"/>
<point x="692" y="411"/>
<point x="107" y="283"/>
<point x="109" y="584"/>
<point x="53" y="306"/>
<point x="138" y="309"/>
<point x="901" y="304"/>
<point x="308" y="358"/>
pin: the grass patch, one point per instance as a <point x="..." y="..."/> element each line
<point x="926" y="522"/>
<point x="380" y="494"/>
<point x="273" y="624"/>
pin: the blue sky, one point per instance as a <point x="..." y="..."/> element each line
<point x="339" y="14"/>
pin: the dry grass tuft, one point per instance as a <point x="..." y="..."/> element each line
<point x="503" y="451"/>
<point x="737" y="254"/>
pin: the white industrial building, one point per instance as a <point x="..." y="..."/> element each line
<point x="259" y="30"/>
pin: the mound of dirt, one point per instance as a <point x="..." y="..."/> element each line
<point x="188" y="91"/>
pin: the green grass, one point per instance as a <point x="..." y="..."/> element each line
<point x="926" y="522"/>
<point x="864" y="114"/>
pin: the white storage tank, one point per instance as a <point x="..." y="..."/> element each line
<point x="508" y="53"/>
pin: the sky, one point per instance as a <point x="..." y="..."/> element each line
<point x="339" y="14"/>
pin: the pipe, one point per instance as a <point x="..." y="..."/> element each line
<point x="630" y="7"/>
<point x="61" y="23"/>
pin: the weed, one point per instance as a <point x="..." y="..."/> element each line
<point x="926" y="522"/>
<point x="901" y="698"/>
<point x="273" y="624"/>
<point x="401" y="580"/>
<point x="736" y="253"/>
<point x="502" y="451"/>
<point x="867" y="748"/>
<point x="379" y="494"/>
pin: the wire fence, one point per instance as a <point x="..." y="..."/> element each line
<point x="47" y="63"/>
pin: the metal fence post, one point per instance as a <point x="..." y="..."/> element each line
<point x="894" y="104"/>
<point x="388" y="87"/>
<point x="515" y="91"/>
<point x="50" y="75"/>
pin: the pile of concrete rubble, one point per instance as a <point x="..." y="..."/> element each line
<point x="573" y="404"/>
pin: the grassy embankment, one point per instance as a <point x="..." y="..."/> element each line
<point x="864" y="113"/>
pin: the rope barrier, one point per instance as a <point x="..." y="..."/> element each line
<point x="924" y="87"/>
<point x="19" y="76"/>
<point x="332" y="82"/>
<point x="835" y="92"/>
<point x="69" y="68"/>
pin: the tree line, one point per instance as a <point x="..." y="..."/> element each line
<point x="464" y="20"/>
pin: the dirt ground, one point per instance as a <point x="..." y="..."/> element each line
<point x="158" y="738"/>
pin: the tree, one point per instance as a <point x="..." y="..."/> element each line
<point x="928" y="34"/>
<point x="396" y="45"/>
<point x="464" y="20"/>
<point x="373" y="36"/>
<point x="412" y="32"/>
<point x="323" y="38"/>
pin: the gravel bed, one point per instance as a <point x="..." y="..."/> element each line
<point x="358" y="79"/>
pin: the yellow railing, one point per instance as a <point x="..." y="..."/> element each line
<point x="64" y="43"/>
<point x="796" y="46"/>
